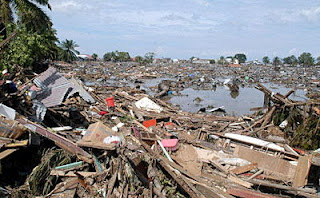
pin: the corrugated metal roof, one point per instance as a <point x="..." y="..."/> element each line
<point x="50" y="78"/>
<point x="57" y="87"/>
<point x="82" y="92"/>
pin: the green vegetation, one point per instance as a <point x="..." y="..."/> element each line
<point x="266" y="60"/>
<point x="291" y="60"/>
<point x="212" y="61"/>
<point x="94" y="56"/>
<point x="28" y="13"/>
<point x="29" y="48"/>
<point x="139" y="59"/>
<point x="241" y="57"/>
<point x="68" y="52"/>
<point x="116" y="56"/>
<point x="318" y="60"/>
<point x="221" y="60"/>
<point x="276" y="61"/>
<point x="149" y="57"/>
<point x="306" y="59"/>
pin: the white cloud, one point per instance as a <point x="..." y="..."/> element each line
<point x="295" y="15"/>
<point x="293" y="51"/>
<point x="186" y="27"/>
<point x="66" y="6"/>
<point x="311" y="14"/>
<point x="202" y="2"/>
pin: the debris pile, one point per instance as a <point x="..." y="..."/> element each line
<point x="73" y="140"/>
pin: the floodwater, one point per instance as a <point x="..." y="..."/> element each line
<point x="153" y="83"/>
<point x="235" y="104"/>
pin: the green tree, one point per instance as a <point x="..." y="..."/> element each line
<point x="306" y="59"/>
<point x="149" y="57"/>
<point x="191" y="58"/>
<point x="68" y="51"/>
<point x="291" y="60"/>
<point x="116" y="56"/>
<point x="287" y="60"/>
<point x="94" y="56"/>
<point x="107" y="56"/>
<point x="276" y="61"/>
<point x="212" y="61"/>
<point x="241" y="57"/>
<point x="318" y="60"/>
<point x="27" y="13"/>
<point x="221" y="60"/>
<point x="123" y="56"/>
<point x="139" y="59"/>
<point x="30" y="48"/>
<point x="266" y="60"/>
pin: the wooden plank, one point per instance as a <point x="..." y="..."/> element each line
<point x="245" y="193"/>
<point x="302" y="172"/>
<point x="71" y="174"/>
<point x="7" y="152"/>
<point x="219" y="166"/>
<point x="243" y="169"/>
<point x="17" y="144"/>
<point x="317" y="110"/>
<point x="256" y="174"/>
<point x="60" y="141"/>
<point x="283" y="187"/>
<point x="240" y="181"/>
<point x="97" y="145"/>
<point x="274" y="167"/>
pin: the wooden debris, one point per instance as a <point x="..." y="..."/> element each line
<point x="243" y="169"/>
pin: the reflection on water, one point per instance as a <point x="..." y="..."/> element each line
<point x="237" y="103"/>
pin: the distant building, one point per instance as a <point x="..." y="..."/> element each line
<point x="175" y="60"/>
<point x="200" y="61"/>
<point x="162" y="60"/>
<point x="84" y="57"/>
<point x="234" y="65"/>
<point x="254" y="62"/>
<point x="232" y="60"/>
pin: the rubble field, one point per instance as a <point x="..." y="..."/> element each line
<point x="103" y="129"/>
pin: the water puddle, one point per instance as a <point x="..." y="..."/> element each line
<point x="235" y="104"/>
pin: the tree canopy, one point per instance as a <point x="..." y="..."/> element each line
<point x="94" y="56"/>
<point x="306" y="59"/>
<point x="291" y="60"/>
<point x="241" y="57"/>
<point x="318" y="60"/>
<point x="116" y="56"/>
<point x="276" y="61"/>
<point x="149" y="57"/>
<point x="68" y="52"/>
<point x="28" y="13"/>
<point x="266" y="60"/>
<point x="29" y="48"/>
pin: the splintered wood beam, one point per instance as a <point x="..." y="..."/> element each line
<point x="243" y="169"/>
<point x="58" y="140"/>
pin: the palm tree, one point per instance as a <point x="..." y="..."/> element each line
<point x="276" y="61"/>
<point x="68" y="51"/>
<point x="27" y="13"/>
<point x="94" y="56"/>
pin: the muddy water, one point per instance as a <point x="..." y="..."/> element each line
<point x="235" y="104"/>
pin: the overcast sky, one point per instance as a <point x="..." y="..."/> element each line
<point x="185" y="28"/>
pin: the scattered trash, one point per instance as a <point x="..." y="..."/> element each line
<point x="148" y="105"/>
<point x="64" y="138"/>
